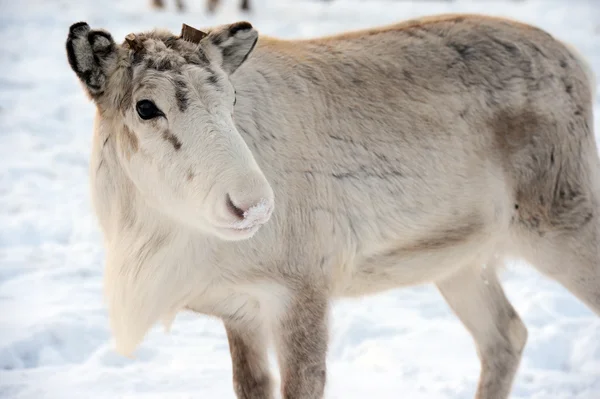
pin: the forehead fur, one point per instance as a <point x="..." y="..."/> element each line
<point x="163" y="51"/>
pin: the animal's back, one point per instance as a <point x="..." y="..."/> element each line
<point x="492" y="64"/>
<point x="453" y="93"/>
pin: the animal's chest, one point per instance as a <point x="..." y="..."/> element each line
<point x="225" y="302"/>
<point x="239" y="302"/>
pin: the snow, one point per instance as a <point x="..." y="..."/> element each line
<point x="54" y="338"/>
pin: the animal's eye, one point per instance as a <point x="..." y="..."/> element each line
<point x="146" y="109"/>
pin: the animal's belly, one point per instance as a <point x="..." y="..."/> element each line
<point x="409" y="265"/>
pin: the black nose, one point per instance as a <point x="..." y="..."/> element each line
<point x="234" y="208"/>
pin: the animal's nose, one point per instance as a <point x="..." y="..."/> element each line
<point x="254" y="211"/>
<point x="237" y="210"/>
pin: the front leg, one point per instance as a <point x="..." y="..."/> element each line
<point x="301" y="337"/>
<point x="248" y="348"/>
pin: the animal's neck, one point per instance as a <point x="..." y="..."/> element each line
<point x="152" y="264"/>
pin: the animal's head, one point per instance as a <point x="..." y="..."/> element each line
<point x="169" y="102"/>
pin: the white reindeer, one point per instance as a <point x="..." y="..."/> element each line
<point x="258" y="189"/>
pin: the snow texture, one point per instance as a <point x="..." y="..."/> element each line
<point x="54" y="338"/>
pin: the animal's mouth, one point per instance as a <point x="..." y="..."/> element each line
<point x="241" y="232"/>
<point x="247" y="228"/>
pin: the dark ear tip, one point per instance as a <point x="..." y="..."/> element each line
<point x="78" y="28"/>
<point x="238" y="26"/>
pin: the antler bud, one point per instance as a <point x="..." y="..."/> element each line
<point x="134" y="42"/>
<point x="192" y="34"/>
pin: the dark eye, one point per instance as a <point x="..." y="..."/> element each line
<point x="147" y="110"/>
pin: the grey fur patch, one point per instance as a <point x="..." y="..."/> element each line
<point x="213" y="80"/>
<point x="168" y="52"/>
<point x="448" y="237"/>
<point x="197" y="58"/>
<point x="170" y="137"/>
<point x="163" y="64"/>
<point x="181" y="94"/>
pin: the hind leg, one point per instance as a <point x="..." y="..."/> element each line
<point x="572" y="258"/>
<point x="476" y="297"/>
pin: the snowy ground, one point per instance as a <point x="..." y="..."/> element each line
<point x="54" y="339"/>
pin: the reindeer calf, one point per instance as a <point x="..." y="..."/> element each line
<point x="258" y="180"/>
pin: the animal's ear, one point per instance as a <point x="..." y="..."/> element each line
<point x="235" y="43"/>
<point x="92" y="55"/>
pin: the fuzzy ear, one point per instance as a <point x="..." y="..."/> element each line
<point x="92" y="55"/>
<point x="235" y="42"/>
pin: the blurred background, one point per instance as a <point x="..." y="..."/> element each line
<point x="54" y="338"/>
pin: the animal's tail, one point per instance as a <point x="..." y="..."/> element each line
<point x="586" y="66"/>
